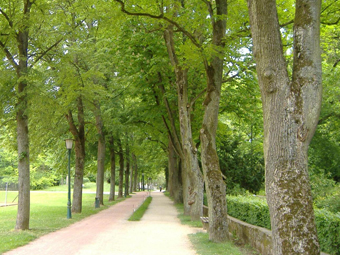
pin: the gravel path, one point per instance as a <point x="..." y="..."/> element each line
<point x="109" y="232"/>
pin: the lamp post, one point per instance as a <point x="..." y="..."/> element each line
<point x="143" y="181"/>
<point x="69" y="143"/>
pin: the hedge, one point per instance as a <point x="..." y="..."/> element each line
<point x="254" y="210"/>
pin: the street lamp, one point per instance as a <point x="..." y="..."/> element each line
<point x="69" y="143"/>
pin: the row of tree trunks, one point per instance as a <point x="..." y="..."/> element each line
<point x="127" y="169"/>
<point x="174" y="176"/>
<point x="112" y="169"/>
<point x="135" y="171"/>
<point x="100" y="154"/>
<point x="192" y="179"/>
<point x="121" y="168"/>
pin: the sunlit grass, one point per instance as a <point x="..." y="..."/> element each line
<point x="138" y="214"/>
<point x="48" y="213"/>
<point x="203" y="245"/>
<point x="88" y="187"/>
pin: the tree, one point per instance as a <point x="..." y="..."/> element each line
<point x="22" y="45"/>
<point x="291" y="107"/>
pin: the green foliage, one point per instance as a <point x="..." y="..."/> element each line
<point x="242" y="166"/>
<point x="328" y="227"/>
<point x="138" y="214"/>
<point x="254" y="210"/>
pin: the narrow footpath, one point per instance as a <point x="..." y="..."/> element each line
<point x="110" y="233"/>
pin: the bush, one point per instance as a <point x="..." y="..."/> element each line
<point x="254" y="210"/>
<point x="328" y="227"/>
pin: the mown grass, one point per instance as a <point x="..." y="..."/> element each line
<point x="138" y="214"/>
<point x="48" y="213"/>
<point x="203" y="245"/>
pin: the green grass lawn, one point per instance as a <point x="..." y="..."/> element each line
<point x="88" y="187"/>
<point x="48" y="213"/>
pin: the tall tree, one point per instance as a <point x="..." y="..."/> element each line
<point x="291" y="107"/>
<point x="22" y="45"/>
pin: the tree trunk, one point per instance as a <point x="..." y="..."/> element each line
<point x="127" y="169"/>
<point x="290" y="111"/>
<point x="23" y="215"/>
<point x="79" y="137"/>
<point x="175" y="176"/>
<point x="191" y="175"/>
<point x="131" y="173"/>
<point x="113" y="170"/>
<point x="121" y="169"/>
<point x="214" y="183"/>
<point x="135" y="166"/>
<point x="100" y="155"/>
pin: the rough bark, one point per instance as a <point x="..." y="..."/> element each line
<point x="291" y="109"/>
<point x="214" y="183"/>
<point x="100" y="154"/>
<point x="23" y="215"/>
<point x="121" y="168"/>
<point x="79" y="138"/>
<point x="113" y="169"/>
<point x="191" y="176"/>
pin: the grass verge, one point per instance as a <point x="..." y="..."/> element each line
<point x="204" y="246"/>
<point x="48" y="214"/>
<point x="138" y="214"/>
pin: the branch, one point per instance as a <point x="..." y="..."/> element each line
<point x="197" y="97"/>
<point x="287" y="23"/>
<point x="73" y="128"/>
<point x="160" y="16"/>
<point x="211" y="11"/>
<point x="235" y="75"/>
<point x="9" y="57"/>
<point x="331" y="23"/>
<point x="46" y="51"/>
<point x="333" y="114"/>
<point x="122" y="4"/>
<point x="10" y="23"/>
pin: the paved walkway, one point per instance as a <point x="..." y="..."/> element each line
<point x="109" y="232"/>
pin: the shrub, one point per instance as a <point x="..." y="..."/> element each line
<point x="254" y="210"/>
<point x="328" y="227"/>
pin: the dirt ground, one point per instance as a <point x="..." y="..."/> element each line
<point x="109" y="232"/>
